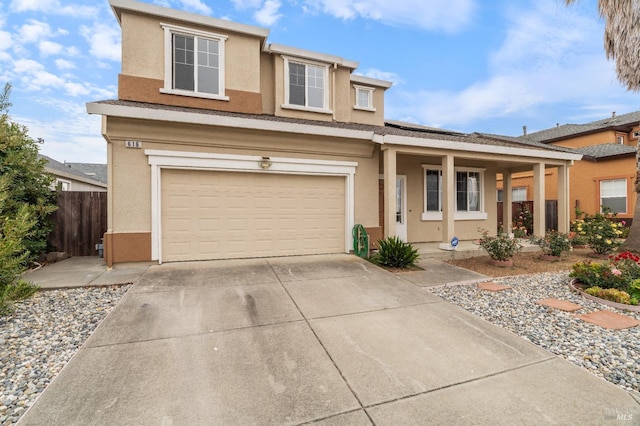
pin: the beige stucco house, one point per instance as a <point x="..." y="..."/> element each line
<point x="221" y="145"/>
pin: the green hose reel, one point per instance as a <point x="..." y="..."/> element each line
<point x="360" y="241"/>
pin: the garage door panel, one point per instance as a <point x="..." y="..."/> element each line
<point x="217" y="215"/>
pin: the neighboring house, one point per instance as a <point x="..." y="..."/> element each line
<point x="221" y="145"/>
<point x="77" y="176"/>
<point x="606" y="174"/>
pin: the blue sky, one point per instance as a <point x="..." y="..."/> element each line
<point x="466" y="65"/>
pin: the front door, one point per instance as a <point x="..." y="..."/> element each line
<point x="401" y="207"/>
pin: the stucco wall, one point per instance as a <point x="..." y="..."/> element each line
<point x="143" y="52"/>
<point x="419" y="230"/>
<point x="584" y="183"/>
<point x="132" y="177"/>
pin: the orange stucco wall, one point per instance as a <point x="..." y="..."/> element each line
<point x="584" y="183"/>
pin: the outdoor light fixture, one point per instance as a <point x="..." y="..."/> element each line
<point x="265" y="163"/>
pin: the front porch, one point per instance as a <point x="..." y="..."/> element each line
<point x="464" y="250"/>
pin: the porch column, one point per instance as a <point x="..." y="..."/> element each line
<point x="507" y="203"/>
<point x="389" y="160"/>
<point x="539" y="225"/>
<point x="563" y="199"/>
<point x="448" y="198"/>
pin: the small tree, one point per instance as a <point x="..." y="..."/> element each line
<point x="26" y="201"/>
<point x="30" y="183"/>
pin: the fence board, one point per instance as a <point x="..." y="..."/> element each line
<point x="79" y="223"/>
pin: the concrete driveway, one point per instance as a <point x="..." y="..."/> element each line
<point x="326" y="339"/>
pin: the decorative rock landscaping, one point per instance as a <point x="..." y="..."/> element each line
<point x="608" y="353"/>
<point x="41" y="336"/>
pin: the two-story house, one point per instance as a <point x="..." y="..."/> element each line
<point x="221" y="145"/>
<point x="606" y="174"/>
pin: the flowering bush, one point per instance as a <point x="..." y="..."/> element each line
<point x="500" y="247"/>
<point x="621" y="272"/>
<point x="601" y="232"/>
<point x="553" y="243"/>
<point x="578" y="234"/>
<point x="523" y="222"/>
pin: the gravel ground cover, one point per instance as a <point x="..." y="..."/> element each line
<point x="41" y="336"/>
<point x="610" y="354"/>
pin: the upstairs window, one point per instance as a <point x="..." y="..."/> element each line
<point x="306" y="85"/>
<point x="364" y="98"/>
<point x="194" y="63"/>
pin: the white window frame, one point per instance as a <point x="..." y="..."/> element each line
<point x="369" y="91"/>
<point x="169" y="31"/>
<point x="65" y="185"/>
<point x="626" y="193"/>
<point x="620" y="139"/>
<point x="458" y="215"/>
<point x="325" y="75"/>
<point x="517" y="189"/>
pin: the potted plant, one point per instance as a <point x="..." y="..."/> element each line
<point x="553" y="244"/>
<point x="500" y="248"/>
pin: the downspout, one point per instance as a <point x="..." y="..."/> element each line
<point x="333" y="91"/>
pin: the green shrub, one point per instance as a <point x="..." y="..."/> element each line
<point x="602" y="233"/>
<point x="553" y="243"/>
<point x="17" y="290"/>
<point x="634" y="291"/>
<point x="612" y="294"/>
<point x="597" y="275"/>
<point x="395" y="253"/>
<point x="620" y="273"/>
<point x="500" y="247"/>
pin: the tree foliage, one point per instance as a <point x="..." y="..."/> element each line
<point x="28" y="185"/>
<point x="26" y="202"/>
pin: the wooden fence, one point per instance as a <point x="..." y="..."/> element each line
<point x="551" y="212"/>
<point x="79" y="223"/>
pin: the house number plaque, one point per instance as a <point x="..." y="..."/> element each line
<point x="133" y="144"/>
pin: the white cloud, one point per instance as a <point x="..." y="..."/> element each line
<point x="5" y="40"/>
<point x="34" y="31"/>
<point x="63" y="64"/>
<point x="269" y="13"/>
<point x="549" y="56"/>
<point x="196" y="6"/>
<point x="104" y="41"/>
<point x="247" y="4"/>
<point x="381" y="75"/>
<point x="48" y="48"/>
<point x="447" y="15"/>
<point x="53" y="6"/>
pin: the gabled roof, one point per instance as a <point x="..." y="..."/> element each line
<point x="95" y="174"/>
<point x="624" y="122"/>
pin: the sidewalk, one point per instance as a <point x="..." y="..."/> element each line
<point x="85" y="271"/>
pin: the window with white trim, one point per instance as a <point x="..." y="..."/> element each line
<point x="306" y="85"/>
<point x="364" y="98"/>
<point x="63" y="185"/>
<point x="519" y="193"/>
<point x="194" y="63"/>
<point x="613" y="194"/>
<point x="469" y="188"/>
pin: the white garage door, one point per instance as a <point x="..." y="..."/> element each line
<point x="223" y="215"/>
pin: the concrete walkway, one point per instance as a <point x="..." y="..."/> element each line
<point x="85" y="271"/>
<point x="325" y="339"/>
